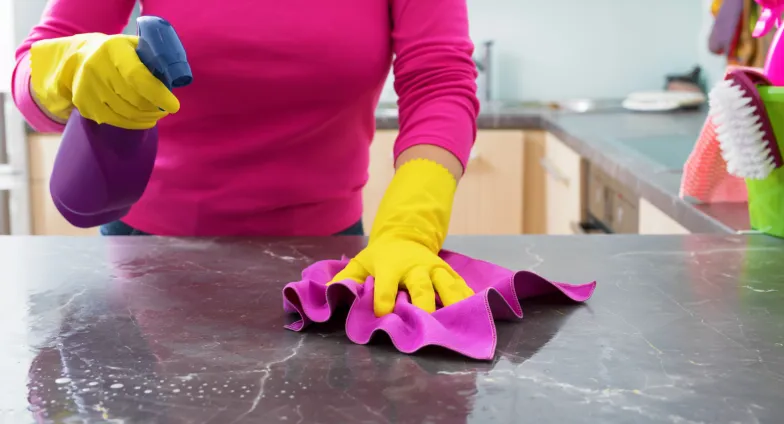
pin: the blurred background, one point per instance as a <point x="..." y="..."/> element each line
<point x="570" y="55"/>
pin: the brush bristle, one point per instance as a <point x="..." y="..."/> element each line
<point x="739" y="132"/>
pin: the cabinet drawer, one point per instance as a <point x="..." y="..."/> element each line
<point x="564" y="186"/>
<point x="597" y="195"/>
<point x="624" y="216"/>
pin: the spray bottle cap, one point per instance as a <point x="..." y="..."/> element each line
<point x="161" y="50"/>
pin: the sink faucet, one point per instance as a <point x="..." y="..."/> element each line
<point x="485" y="68"/>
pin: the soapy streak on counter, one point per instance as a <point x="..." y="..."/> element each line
<point x="602" y="138"/>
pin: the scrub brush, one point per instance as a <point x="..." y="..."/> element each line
<point x="743" y="128"/>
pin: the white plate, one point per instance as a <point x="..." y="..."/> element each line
<point x="651" y="105"/>
<point x="684" y="98"/>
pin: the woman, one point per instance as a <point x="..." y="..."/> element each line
<point x="272" y="138"/>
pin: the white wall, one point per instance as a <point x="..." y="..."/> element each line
<point x="548" y="50"/>
<point x="7" y="44"/>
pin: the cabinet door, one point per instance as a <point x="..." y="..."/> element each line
<point x="535" y="213"/>
<point x="654" y="221"/>
<point x="381" y="170"/>
<point x="46" y="220"/>
<point x="564" y="189"/>
<point x="489" y="199"/>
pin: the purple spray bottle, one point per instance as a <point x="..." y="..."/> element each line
<point x="100" y="171"/>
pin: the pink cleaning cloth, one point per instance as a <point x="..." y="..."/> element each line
<point x="705" y="176"/>
<point x="466" y="327"/>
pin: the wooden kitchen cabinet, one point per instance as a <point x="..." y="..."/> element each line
<point x="490" y="197"/>
<point x="46" y="220"/>
<point x="654" y="221"/>
<point x="564" y="187"/>
<point x="535" y="197"/>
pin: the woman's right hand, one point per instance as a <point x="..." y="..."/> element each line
<point x="102" y="76"/>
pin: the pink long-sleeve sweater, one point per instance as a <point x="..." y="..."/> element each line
<point x="273" y="135"/>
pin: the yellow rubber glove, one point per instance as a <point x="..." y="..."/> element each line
<point x="102" y="76"/>
<point x="407" y="234"/>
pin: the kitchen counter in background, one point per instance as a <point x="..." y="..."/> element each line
<point x="518" y="179"/>
<point x="644" y="150"/>
<point x="682" y="329"/>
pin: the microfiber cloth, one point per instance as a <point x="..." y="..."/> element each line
<point x="466" y="327"/>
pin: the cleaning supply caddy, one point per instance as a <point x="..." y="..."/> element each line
<point x="747" y="108"/>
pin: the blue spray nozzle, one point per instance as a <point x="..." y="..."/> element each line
<point x="161" y="51"/>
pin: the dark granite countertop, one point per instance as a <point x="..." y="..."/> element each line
<point x="682" y="329"/>
<point x="645" y="150"/>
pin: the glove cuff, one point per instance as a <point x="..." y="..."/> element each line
<point x="417" y="204"/>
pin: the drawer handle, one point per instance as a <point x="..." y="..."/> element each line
<point x="553" y="171"/>
<point x="577" y="228"/>
<point x="473" y="155"/>
<point x="585" y="228"/>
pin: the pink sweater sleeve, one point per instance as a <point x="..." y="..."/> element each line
<point x="63" y="18"/>
<point x="435" y="76"/>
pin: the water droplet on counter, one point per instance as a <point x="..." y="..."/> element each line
<point x="117" y="386"/>
<point x="176" y="391"/>
<point x="148" y="391"/>
<point x="92" y="383"/>
<point x="137" y="388"/>
<point x="63" y="380"/>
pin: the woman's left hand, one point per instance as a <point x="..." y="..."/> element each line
<point x="398" y="263"/>
<point x="408" y="232"/>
